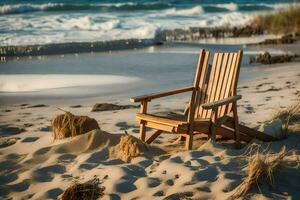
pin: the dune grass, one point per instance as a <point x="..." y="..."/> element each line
<point x="284" y="21"/>
<point x="289" y="116"/>
<point x="260" y="169"/>
<point x="263" y="167"/>
<point x="90" y="190"/>
<point x="69" y="125"/>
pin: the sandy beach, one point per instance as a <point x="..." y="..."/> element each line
<point x="35" y="166"/>
<point x="71" y="70"/>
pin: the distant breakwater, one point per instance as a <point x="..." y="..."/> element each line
<point x="161" y="36"/>
<point x="74" y="47"/>
<point x="197" y="33"/>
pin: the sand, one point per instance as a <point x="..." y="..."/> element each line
<point x="34" y="166"/>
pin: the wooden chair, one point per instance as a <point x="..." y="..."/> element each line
<point x="213" y="98"/>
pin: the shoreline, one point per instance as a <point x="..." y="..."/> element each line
<point x="236" y="35"/>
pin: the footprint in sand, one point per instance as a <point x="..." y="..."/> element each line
<point x="210" y="174"/>
<point x="8" y="178"/>
<point x="249" y="109"/>
<point x="125" y="126"/>
<point x="147" y="182"/>
<point x="203" y="189"/>
<point x="125" y="186"/>
<point x="159" y="193"/>
<point x="66" y="158"/>
<point x="46" y="174"/>
<point x="42" y="151"/>
<point x="176" y="159"/>
<point x="54" y="193"/>
<point x="183" y="195"/>
<point x="169" y="182"/>
<point x="45" y="129"/>
<point x="6" y="130"/>
<point x="19" y="187"/>
<point x="30" y="139"/>
<point x="6" y="142"/>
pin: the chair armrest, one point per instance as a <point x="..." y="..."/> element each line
<point x="221" y="102"/>
<point x="149" y="97"/>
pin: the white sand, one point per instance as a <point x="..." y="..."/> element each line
<point x="37" y="167"/>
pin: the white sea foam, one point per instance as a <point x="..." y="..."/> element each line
<point x="230" y="19"/>
<point x="197" y="10"/>
<point x="20" y="8"/>
<point x="228" y="6"/>
<point x="33" y="82"/>
<point x="87" y="23"/>
<point x="60" y="27"/>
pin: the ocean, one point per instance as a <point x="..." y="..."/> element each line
<point x="114" y="74"/>
<point x="25" y="22"/>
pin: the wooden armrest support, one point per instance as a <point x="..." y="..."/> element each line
<point x="221" y="102"/>
<point x="149" y="97"/>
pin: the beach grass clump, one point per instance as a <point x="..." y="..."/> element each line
<point x="83" y="191"/>
<point x="284" y="21"/>
<point x="130" y="147"/>
<point x="70" y="125"/>
<point x="289" y="116"/>
<point x="264" y="167"/>
<point x="261" y="168"/>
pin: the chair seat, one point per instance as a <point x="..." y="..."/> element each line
<point x="176" y="121"/>
<point x="170" y="119"/>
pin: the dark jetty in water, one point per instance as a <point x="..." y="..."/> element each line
<point x="285" y="39"/>
<point x="74" y="47"/>
<point x="161" y="36"/>
<point x="195" y="33"/>
<point x="266" y="58"/>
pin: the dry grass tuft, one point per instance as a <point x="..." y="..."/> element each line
<point x="131" y="147"/>
<point x="83" y="191"/>
<point x="69" y="125"/>
<point x="284" y="21"/>
<point x="289" y="116"/>
<point x="261" y="169"/>
<point x="262" y="166"/>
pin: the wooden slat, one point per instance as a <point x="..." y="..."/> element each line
<point x="159" y="119"/>
<point x="192" y="106"/>
<point x="210" y="82"/>
<point x="201" y="85"/>
<point x="215" y="80"/>
<point x="223" y="86"/>
<point x="199" y="70"/>
<point x="166" y="128"/>
<point x="221" y="102"/>
<point x="235" y="77"/>
<point x="161" y="94"/>
<point x="221" y="79"/>
<point x="229" y="81"/>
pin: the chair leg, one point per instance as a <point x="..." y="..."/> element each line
<point x="213" y="124"/>
<point x="153" y="136"/>
<point x="143" y="131"/>
<point x="213" y="131"/>
<point x="236" y="124"/>
<point x="143" y="109"/>
<point x="182" y="138"/>
<point x="189" y="139"/>
<point x="189" y="142"/>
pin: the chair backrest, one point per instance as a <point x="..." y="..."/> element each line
<point x="215" y="82"/>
